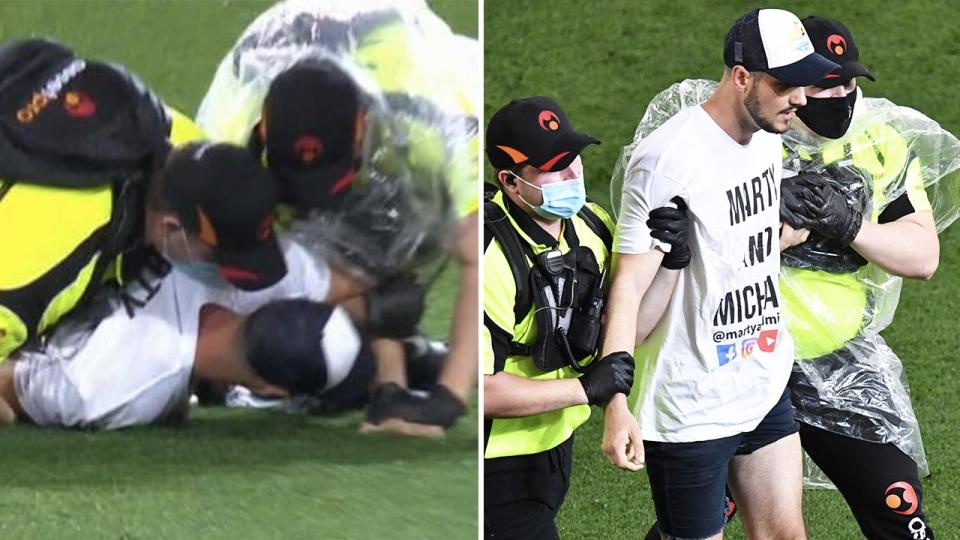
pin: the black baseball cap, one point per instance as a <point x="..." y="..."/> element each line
<point x="314" y="116"/>
<point x="774" y="41"/>
<point x="834" y="41"/>
<point x="221" y="194"/>
<point x="534" y="131"/>
<point x="284" y="344"/>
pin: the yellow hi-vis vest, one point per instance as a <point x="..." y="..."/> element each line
<point x="52" y="248"/>
<point x="825" y="310"/>
<point x="537" y="433"/>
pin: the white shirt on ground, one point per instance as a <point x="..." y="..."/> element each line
<point x="111" y="370"/>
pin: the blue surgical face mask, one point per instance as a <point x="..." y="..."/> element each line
<point x="199" y="270"/>
<point x="203" y="272"/>
<point x="561" y="200"/>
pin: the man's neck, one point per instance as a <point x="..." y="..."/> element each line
<point x="553" y="227"/>
<point x="218" y="353"/>
<point x="724" y="109"/>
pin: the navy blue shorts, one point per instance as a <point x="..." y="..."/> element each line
<point x="688" y="479"/>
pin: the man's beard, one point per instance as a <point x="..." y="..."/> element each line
<point x="753" y="107"/>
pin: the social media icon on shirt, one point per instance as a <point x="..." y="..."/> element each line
<point x="767" y="340"/>
<point x="726" y="352"/>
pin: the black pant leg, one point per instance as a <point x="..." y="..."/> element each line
<point x="880" y="483"/>
<point x="522" y="494"/>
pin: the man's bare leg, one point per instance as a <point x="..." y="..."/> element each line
<point x="768" y="488"/>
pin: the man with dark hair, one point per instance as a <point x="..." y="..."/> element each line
<point x="714" y="403"/>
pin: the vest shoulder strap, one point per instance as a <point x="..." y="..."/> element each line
<point x="497" y="224"/>
<point x="597" y="225"/>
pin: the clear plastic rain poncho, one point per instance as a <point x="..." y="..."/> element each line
<point x="846" y="379"/>
<point x="419" y="158"/>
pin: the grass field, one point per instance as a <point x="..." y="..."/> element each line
<point x="603" y="61"/>
<point x="227" y="474"/>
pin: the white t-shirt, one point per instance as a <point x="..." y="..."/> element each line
<point x="104" y="368"/>
<point x="722" y="356"/>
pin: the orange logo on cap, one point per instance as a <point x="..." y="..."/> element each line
<point x="78" y="104"/>
<point x="516" y="155"/>
<point x="265" y="228"/>
<point x="836" y="44"/>
<point x="207" y="233"/>
<point x="549" y="121"/>
<point x="308" y="148"/>
<point x="901" y="493"/>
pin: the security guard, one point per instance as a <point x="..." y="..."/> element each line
<point x="863" y="221"/>
<point x="82" y="140"/>
<point x="546" y="253"/>
<point x="409" y="106"/>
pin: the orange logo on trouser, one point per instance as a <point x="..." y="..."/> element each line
<point x="901" y="498"/>
<point x="78" y="104"/>
<point x="36" y="104"/>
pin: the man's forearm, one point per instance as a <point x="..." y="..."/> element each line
<point x="344" y="286"/>
<point x="631" y="279"/>
<point x="907" y="247"/>
<point x="460" y="372"/>
<point x="510" y="396"/>
<point x="655" y="302"/>
<point x="390" y="361"/>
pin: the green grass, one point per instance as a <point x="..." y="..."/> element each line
<point x="603" y="62"/>
<point x="227" y="473"/>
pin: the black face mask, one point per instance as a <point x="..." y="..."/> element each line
<point x="828" y="117"/>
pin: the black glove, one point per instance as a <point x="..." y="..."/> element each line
<point x="385" y="399"/>
<point x="832" y="216"/>
<point x="395" y="307"/>
<point x="670" y="225"/>
<point x="794" y="193"/>
<point x="442" y="408"/>
<point x="612" y="374"/>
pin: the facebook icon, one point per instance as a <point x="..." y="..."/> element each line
<point x="726" y="352"/>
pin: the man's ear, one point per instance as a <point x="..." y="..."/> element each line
<point x="507" y="181"/>
<point x="742" y="79"/>
<point x="359" y="129"/>
<point x="171" y="223"/>
<point x="262" y="125"/>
